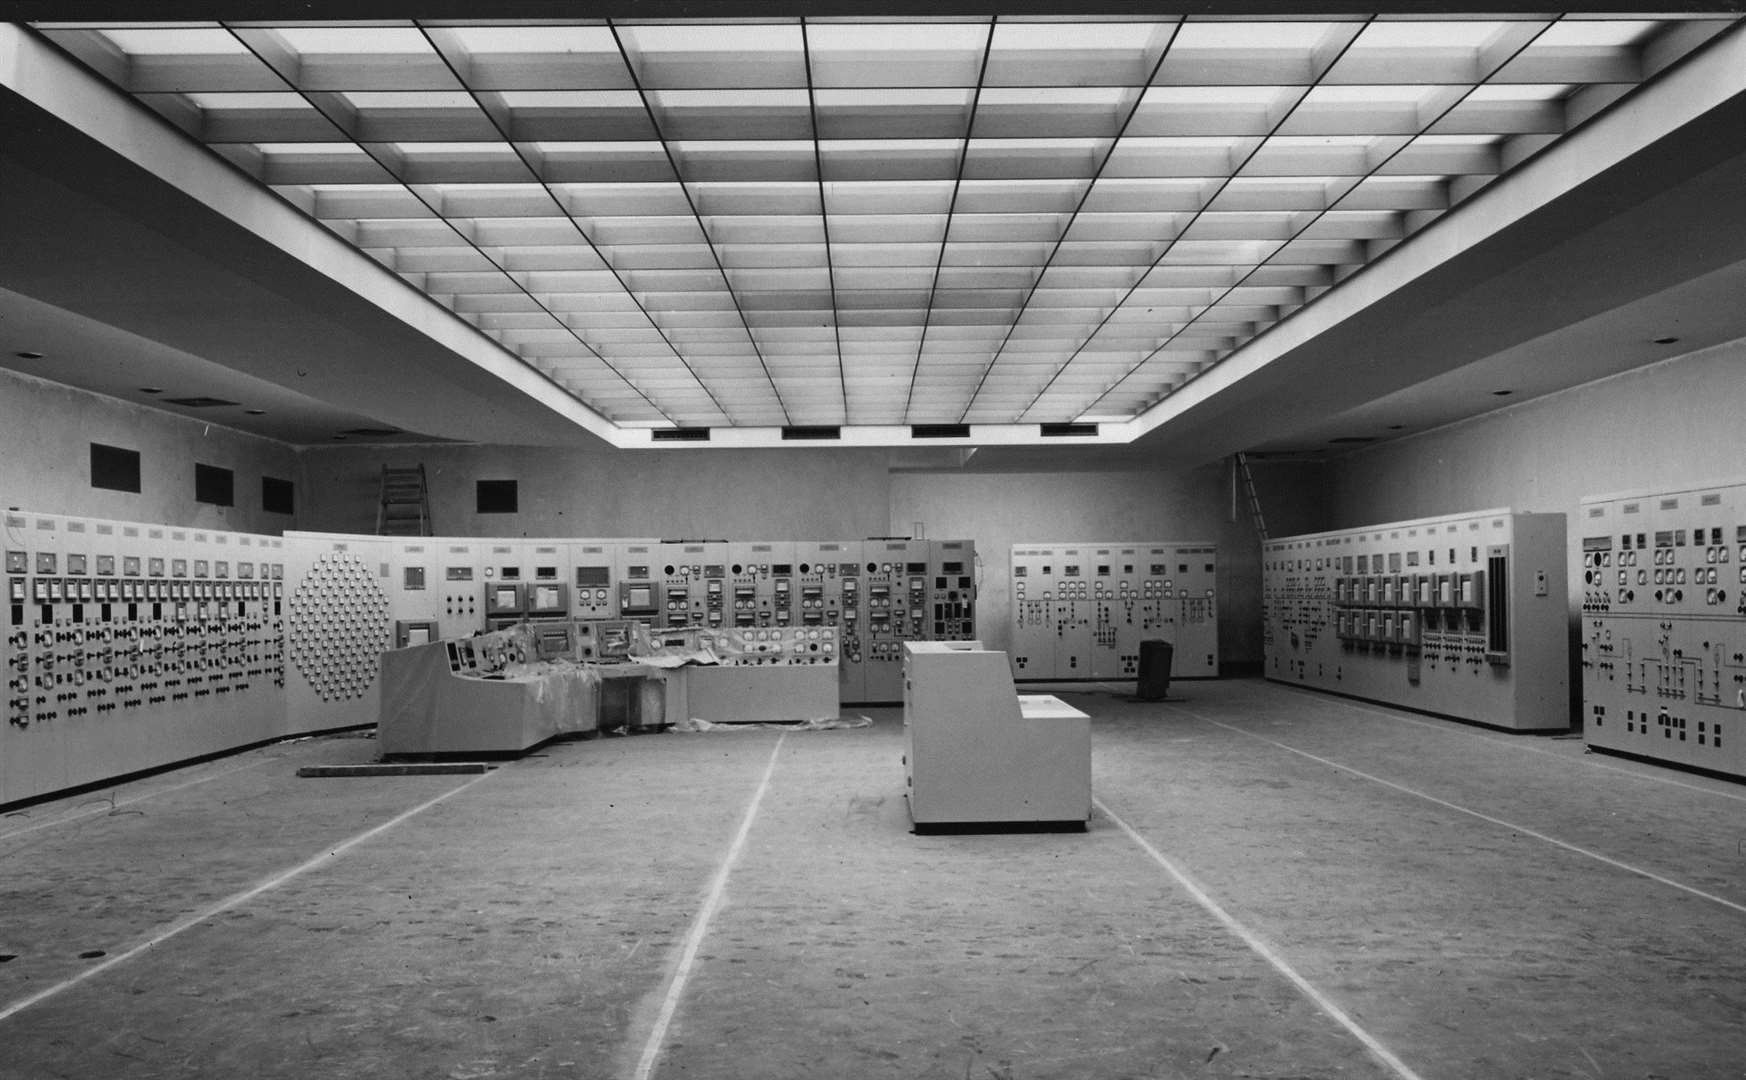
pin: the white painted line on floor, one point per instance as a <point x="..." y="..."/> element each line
<point x="110" y="808"/>
<point x="1267" y="952"/>
<point x="1457" y="807"/>
<point x="1452" y="727"/>
<point x="1589" y="761"/>
<point x="232" y="901"/>
<point x="700" y="924"/>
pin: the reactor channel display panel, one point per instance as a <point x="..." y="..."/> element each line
<point x="1664" y="626"/>
<point x="1080" y="611"/>
<point x="1464" y="616"/>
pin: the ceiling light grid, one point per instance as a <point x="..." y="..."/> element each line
<point x="659" y="318"/>
<point x="619" y="37"/>
<point x="1321" y="59"/>
<point x="1153" y="63"/>
<point x="285" y="53"/>
<point x="629" y="349"/>
<point x="963" y="155"/>
<point x="824" y="221"/>
<point x="1499" y="48"/>
<point x="810" y="215"/>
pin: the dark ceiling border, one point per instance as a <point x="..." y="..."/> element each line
<point x="570" y="10"/>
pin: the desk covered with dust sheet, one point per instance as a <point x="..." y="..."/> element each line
<point x="428" y="707"/>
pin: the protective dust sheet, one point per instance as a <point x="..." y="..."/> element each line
<point x="428" y="709"/>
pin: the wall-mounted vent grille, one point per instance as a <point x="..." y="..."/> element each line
<point x="115" y="468"/>
<point x="497" y="497"/>
<point x="1055" y="431"/>
<point x="680" y="434"/>
<point x="939" y="431"/>
<point x="198" y="402"/>
<point x="214" y="485"/>
<point x="812" y="431"/>
<point x="278" y="496"/>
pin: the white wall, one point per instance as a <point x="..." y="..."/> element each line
<point x="815" y="493"/>
<point x="1678" y="423"/>
<point x="46" y="432"/>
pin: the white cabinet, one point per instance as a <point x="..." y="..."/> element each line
<point x="977" y="753"/>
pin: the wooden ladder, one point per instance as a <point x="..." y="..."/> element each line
<point x="404" y="509"/>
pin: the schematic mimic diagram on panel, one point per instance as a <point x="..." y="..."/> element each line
<point x="1080" y="611"/>
<point x="1664" y="626"/>
<point x="1462" y="616"/>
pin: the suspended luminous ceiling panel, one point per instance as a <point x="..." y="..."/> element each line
<point x="840" y="222"/>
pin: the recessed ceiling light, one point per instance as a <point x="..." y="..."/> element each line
<point x="28" y="354"/>
<point x="1502" y="393"/>
<point x="151" y="389"/>
<point x="1183" y="138"/>
<point x="1658" y="341"/>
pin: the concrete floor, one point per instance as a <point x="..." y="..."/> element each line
<point x="1275" y="884"/>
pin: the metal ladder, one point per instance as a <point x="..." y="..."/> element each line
<point x="404" y="509"/>
<point x="1254" y="500"/>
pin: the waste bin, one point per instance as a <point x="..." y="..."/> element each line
<point x="1154" y="674"/>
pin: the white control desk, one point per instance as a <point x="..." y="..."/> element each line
<point x="979" y="754"/>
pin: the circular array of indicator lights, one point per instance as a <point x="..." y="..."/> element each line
<point x="338" y="613"/>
